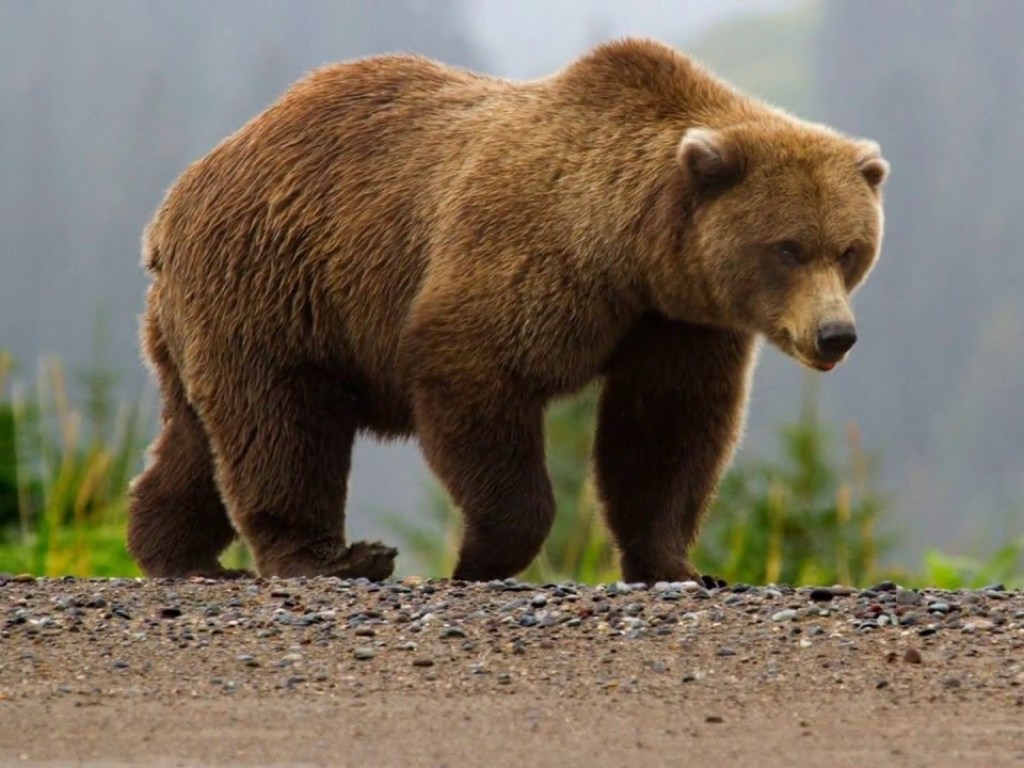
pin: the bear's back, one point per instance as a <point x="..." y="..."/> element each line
<point x="337" y="135"/>
<point x="313" y="224"/>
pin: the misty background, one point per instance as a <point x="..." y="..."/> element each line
<point x="104" y="102"/>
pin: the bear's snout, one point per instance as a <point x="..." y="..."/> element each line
<point x="835" y="339"/>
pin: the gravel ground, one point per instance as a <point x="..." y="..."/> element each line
<point x="440" y="673"/>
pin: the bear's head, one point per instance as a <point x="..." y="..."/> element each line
<point x="784" y="223"/>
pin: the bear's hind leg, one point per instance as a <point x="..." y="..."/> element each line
<point x="283" y="452"/>
<point x="177" y="523"/>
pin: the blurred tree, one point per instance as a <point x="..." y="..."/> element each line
<point x="767" y="55"/>
<point x="115" y="98"/>
<point x="939" y="84"/>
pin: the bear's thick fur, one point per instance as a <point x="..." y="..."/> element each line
<point x="403" y="248"/>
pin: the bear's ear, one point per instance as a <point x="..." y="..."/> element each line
<point x="712" y="159"/>
<point x="872" y="166"/>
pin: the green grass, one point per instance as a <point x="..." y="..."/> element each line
<point x="65" y="474"/>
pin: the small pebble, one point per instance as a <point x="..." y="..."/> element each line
<point x="908" y="597"/>
<point x="981" y="624"/>
<point x="364" y="654"/>
<point x="912" y="656"/>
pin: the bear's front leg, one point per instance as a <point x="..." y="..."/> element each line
<point x="670" y="415"/>
<point x="487" y="447"/>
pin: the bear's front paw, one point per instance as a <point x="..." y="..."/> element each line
<point x="638" y="570"/>
<point x="713" y="582"/>
<point x="221" y="573"/>
<point x="369" y="560"/>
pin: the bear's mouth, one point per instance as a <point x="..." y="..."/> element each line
<point x="818" y="364"/>
<point x="786" y="343"/>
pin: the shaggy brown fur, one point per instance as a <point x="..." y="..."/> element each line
<point x="400" y="247"/>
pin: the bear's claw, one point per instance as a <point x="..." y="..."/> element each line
<point x="713" y="582"/>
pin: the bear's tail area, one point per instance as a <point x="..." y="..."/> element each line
<point x="150" y="251"/>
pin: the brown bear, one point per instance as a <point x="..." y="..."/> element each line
<point x="403" y="248"/>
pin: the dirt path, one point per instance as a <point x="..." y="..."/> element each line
<point x="324" y="672"/>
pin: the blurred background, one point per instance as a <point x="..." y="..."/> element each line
<point x="909" y="460"/>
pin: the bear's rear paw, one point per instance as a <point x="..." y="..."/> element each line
<point x="369" y="560"/>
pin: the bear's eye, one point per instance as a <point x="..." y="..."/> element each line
<point x="789" y="252"/>
<point x="846" y="257"/>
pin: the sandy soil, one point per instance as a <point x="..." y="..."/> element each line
<point x="334" y="673"/>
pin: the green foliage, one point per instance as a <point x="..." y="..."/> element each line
<point x="800" y="519"/>
<point x="579" y="547"/>
<point x="1006" y="566"/>
<point x="8" y="455"/>
<point x="64" y="473"/>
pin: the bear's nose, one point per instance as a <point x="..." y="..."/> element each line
<point x="835" y="339"/>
